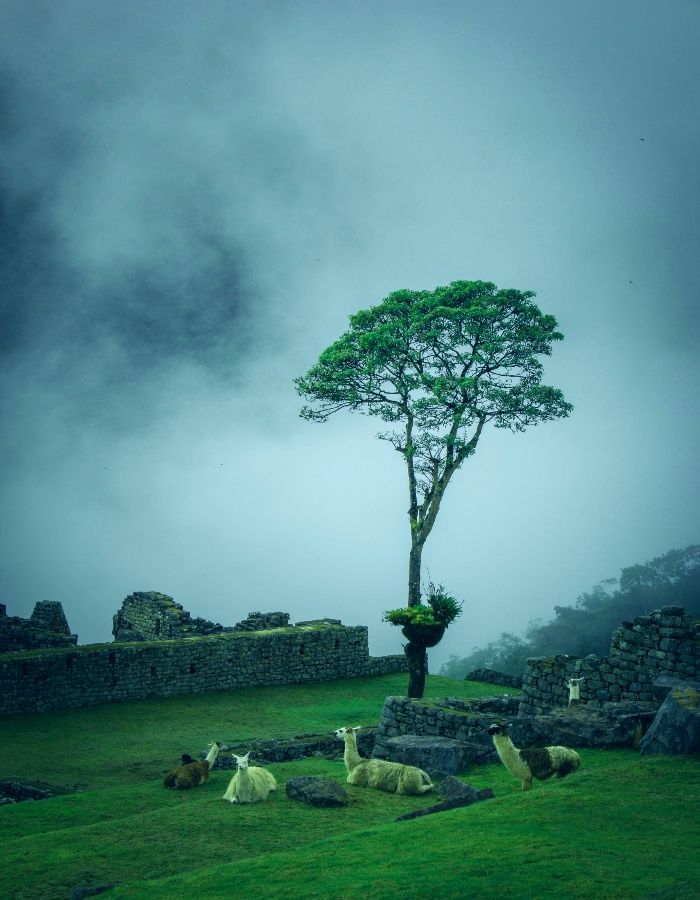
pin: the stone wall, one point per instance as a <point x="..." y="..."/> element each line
<point x="257" y="621"/>
<point x="666" y="642"/>
<point x="490" y="676"/>
<point x="46" y="627"/>
<point x="152" y="616"/>
<point x="463" y="722"/>
<point x="102" y="673"/>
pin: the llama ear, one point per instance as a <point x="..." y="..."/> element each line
<point x="357" y="727"/>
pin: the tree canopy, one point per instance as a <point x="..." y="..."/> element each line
<point x="443" y="364"/>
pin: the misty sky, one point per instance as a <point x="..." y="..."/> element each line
<point x="195" y="197"/>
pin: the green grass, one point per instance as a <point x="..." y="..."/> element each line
<point x="622" y="826"/>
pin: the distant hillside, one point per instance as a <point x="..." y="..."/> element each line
<point x="586" y="627"/>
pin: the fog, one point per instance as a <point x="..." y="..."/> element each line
<point x="193" y="202"/>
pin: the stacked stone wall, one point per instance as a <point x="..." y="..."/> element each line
<point x="666" y="642"/>
<point x="450" y="718"/>
<point x="257" y="621"/>
<point x="152" y="616"/>
<point x="103" y="673"/>
<point x="490" y="676"/>
<point x="46" y="627"/>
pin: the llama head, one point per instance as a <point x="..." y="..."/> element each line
<point x="242" y="761"/>
<point x="341" y="732"/>
<point x="498" y="729"/>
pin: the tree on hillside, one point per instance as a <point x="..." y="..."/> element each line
<point x="437" y="367"/>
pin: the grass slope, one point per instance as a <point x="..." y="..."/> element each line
<point x="619" y="827"/>
<point x="565" y="839"/>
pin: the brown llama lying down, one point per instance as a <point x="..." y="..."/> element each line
<point x="540" y="763"/>
<point x="192" y="774"/>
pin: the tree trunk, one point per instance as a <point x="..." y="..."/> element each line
<point x="414" y="575"/>
<point x="417" y="665"/>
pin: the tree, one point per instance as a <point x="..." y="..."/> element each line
<point x="438" y="366"/>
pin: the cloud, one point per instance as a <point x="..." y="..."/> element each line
<point x="193" y="203"/>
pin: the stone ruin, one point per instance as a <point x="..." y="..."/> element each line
<point x="645" y="695"/>
<point x="257" y="621"/>
<point x="663" y="643"/>
<point x="47" y="627"/>
<point x="490" y="676"/>
<point x="152" y="616"/>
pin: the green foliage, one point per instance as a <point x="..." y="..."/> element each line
<point x="410" y="615"/>
<point x="439" y="365"/>
<point x="586" y="627"/>
<point x="441" y="610"/>
<point x="445" y="608"/>
<point x="506" y="654"/>
<point x="467" y="347"/>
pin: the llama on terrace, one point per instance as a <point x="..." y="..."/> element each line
<point x="574" y="686"/>
<point x="540" y="763"/>
<point x="192" y="774"/>
<point x="250" y="783"/>
<point x="395" y="778"/>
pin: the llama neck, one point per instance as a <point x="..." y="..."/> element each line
<point x="211" y="756"/>
<point x="508" y="753"/>
<point x="351" y="756"/>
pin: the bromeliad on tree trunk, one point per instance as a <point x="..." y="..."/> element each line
<point x="424" y="627"/>
<point x="438" y="366"/>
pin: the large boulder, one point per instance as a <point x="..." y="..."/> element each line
<point x="436" y="755"/>
<point x="676" y="728"/>
<point x="316" y="791"/>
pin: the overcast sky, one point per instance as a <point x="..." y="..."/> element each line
<point x="195" y="197"/>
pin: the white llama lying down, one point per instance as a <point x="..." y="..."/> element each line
<point x="379" y="773"/>
<point x="540" y="763"/>
<point x="250" y="783"/>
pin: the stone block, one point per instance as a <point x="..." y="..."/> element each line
<point x="435" y="755"/>
<point x="676" y="728"/>
<point x="316" y="791"/>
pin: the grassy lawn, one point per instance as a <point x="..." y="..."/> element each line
<point x="622" y="826"/>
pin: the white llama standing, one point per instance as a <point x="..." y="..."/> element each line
<point x="574" y="686"/>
